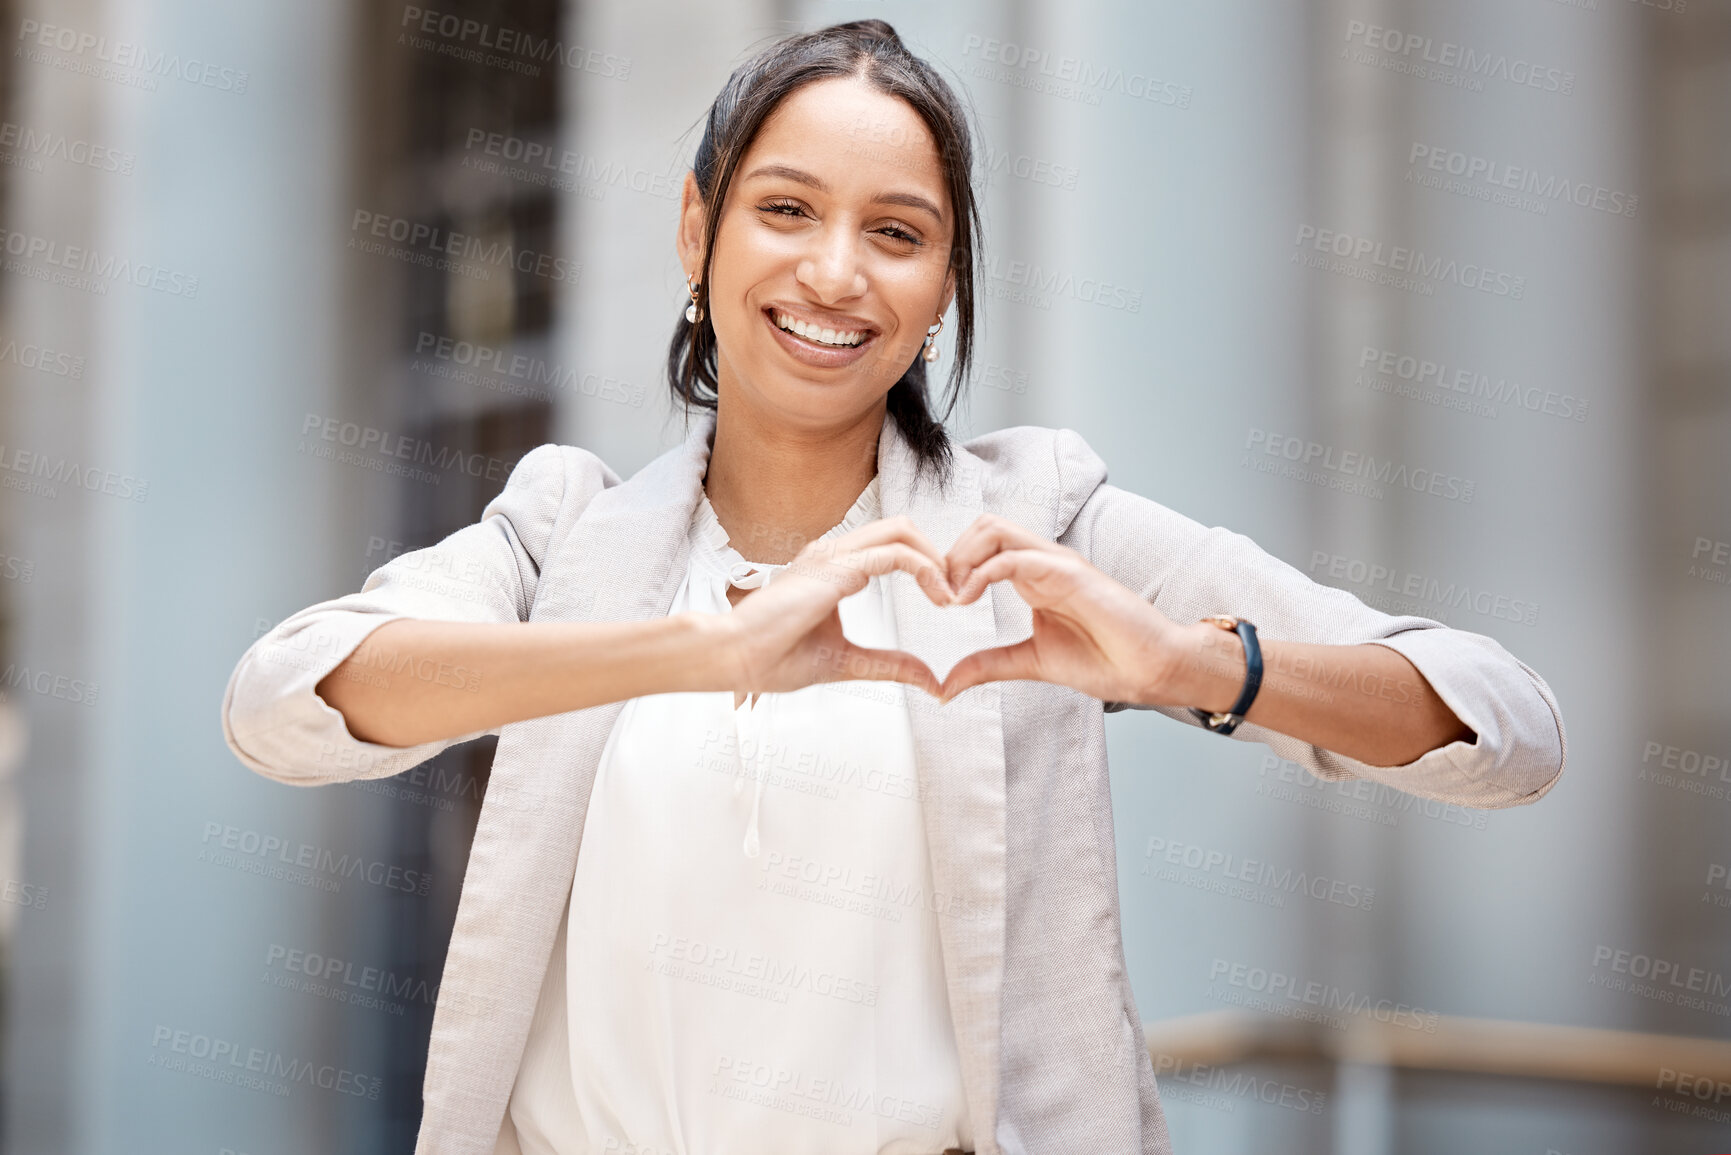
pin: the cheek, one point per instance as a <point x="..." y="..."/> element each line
<point x="742" y="266"/>
<point x="913" y="293"/>
<point x="749" y="252"/>
<point x="916" y="287"/>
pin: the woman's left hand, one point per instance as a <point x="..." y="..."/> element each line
<point x="1090" y="632"/>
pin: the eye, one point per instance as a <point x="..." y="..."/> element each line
<point x="782" y="208"/>
<point x="896" y="232"/>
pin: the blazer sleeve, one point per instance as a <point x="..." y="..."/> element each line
<point x="1189" y="571"/>
<point x="277" y="724"/>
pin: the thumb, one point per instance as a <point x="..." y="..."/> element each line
<point x="1001" y="663"/>
<point x="863" y="664"/>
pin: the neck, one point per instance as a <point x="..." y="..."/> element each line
<point x="774" y="488"/>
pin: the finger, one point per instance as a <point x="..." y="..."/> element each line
<point x="932" y="576"/>
<point x="881" y="532"/>
<point x="999" y="664"/>
<point x="1019" y="563"/>
<point x="860" y="664"/>
<point x="877" y="560"/>
<point x="989" y="534"/>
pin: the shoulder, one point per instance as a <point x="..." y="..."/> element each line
<point x="1032" y="474"/>
<point x="554" y="480"/>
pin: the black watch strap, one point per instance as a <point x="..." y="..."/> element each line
<point x="1228" y="722"/>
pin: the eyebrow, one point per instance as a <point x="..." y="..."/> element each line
<point x="906" y="199"/>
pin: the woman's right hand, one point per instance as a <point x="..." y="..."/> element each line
<point x="787" y="634"/>
<point x="398" y="688"/>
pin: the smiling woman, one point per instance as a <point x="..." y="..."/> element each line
<point x="857" y="188"/>
<point x="725" y="895"/>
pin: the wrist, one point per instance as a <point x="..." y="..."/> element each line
<point x="711" y="643"/>
<point x="1204" y="668"/>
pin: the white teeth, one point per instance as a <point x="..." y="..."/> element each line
<point x="838" y="337"/>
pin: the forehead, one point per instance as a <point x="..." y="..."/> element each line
<point x="851" y="134"/>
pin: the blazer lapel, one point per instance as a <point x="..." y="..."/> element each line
<point x="960" y="751"/>
<point x="622" y="560"/>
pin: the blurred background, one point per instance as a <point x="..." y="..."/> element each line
<point x="1487" y="240"/>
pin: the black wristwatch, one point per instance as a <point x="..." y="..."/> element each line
<point x="1228" y="722"/>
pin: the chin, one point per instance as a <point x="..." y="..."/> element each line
<point x="820" y="401"/>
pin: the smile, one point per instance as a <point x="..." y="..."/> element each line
<point x="817" y="334"/>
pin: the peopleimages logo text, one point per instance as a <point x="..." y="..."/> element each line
<point x="126" y="54"/>
<point x="103" y="266"/>
<point x="512" y="42"/>
<point x="51" y="145"/>
<point x="1411" y="46"/>
<point x="1070" y="77"/>
<point x="1363" y="466"/>
<point x="64" y="471"/>
<point x="419" y="235"/>
<point x="367" y="439"/>
<point x="1424" y="373"/>
<point x="240" y="1060"/>
<point x="256" y="844"/>
<point x="1544" y="187"/>
<point x="1400" y="259"/>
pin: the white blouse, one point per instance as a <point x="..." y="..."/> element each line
<point x="750" y="963"/>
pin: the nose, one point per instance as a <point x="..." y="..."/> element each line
<point x="831" y="267"/>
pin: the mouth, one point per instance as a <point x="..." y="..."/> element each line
<point x="818" y="345"/>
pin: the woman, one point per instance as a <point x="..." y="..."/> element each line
<point x="748" y="875"/>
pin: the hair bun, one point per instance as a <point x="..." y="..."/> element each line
<point x="878" y="29"/>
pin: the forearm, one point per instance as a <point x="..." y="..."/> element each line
<point x="413" y="681"/>
<point x="1367" y="702"/>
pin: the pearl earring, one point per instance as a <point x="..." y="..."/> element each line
<point x="692" y="312"/>
<point x="931" y="353"/>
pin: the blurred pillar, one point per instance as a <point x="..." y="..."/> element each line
<point x="639" y="132"/>
<point x="200" y="394"/>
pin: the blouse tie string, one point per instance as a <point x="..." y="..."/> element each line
<point x="749" y="724"/>
<point x="752" y="717"/>
<point x="748" y="575"/>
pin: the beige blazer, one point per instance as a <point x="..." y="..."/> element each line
<point x="1018" y="808"/>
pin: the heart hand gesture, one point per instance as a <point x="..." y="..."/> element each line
<point x="1090" y="632"/>
<point x="788" y="635"/>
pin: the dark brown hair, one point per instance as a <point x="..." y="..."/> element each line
<point x="870" y="50"/>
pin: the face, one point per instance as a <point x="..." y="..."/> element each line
<point x="832" y="255"/>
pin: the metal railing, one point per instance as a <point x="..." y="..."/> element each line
<point x="1442" y="1043"/>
